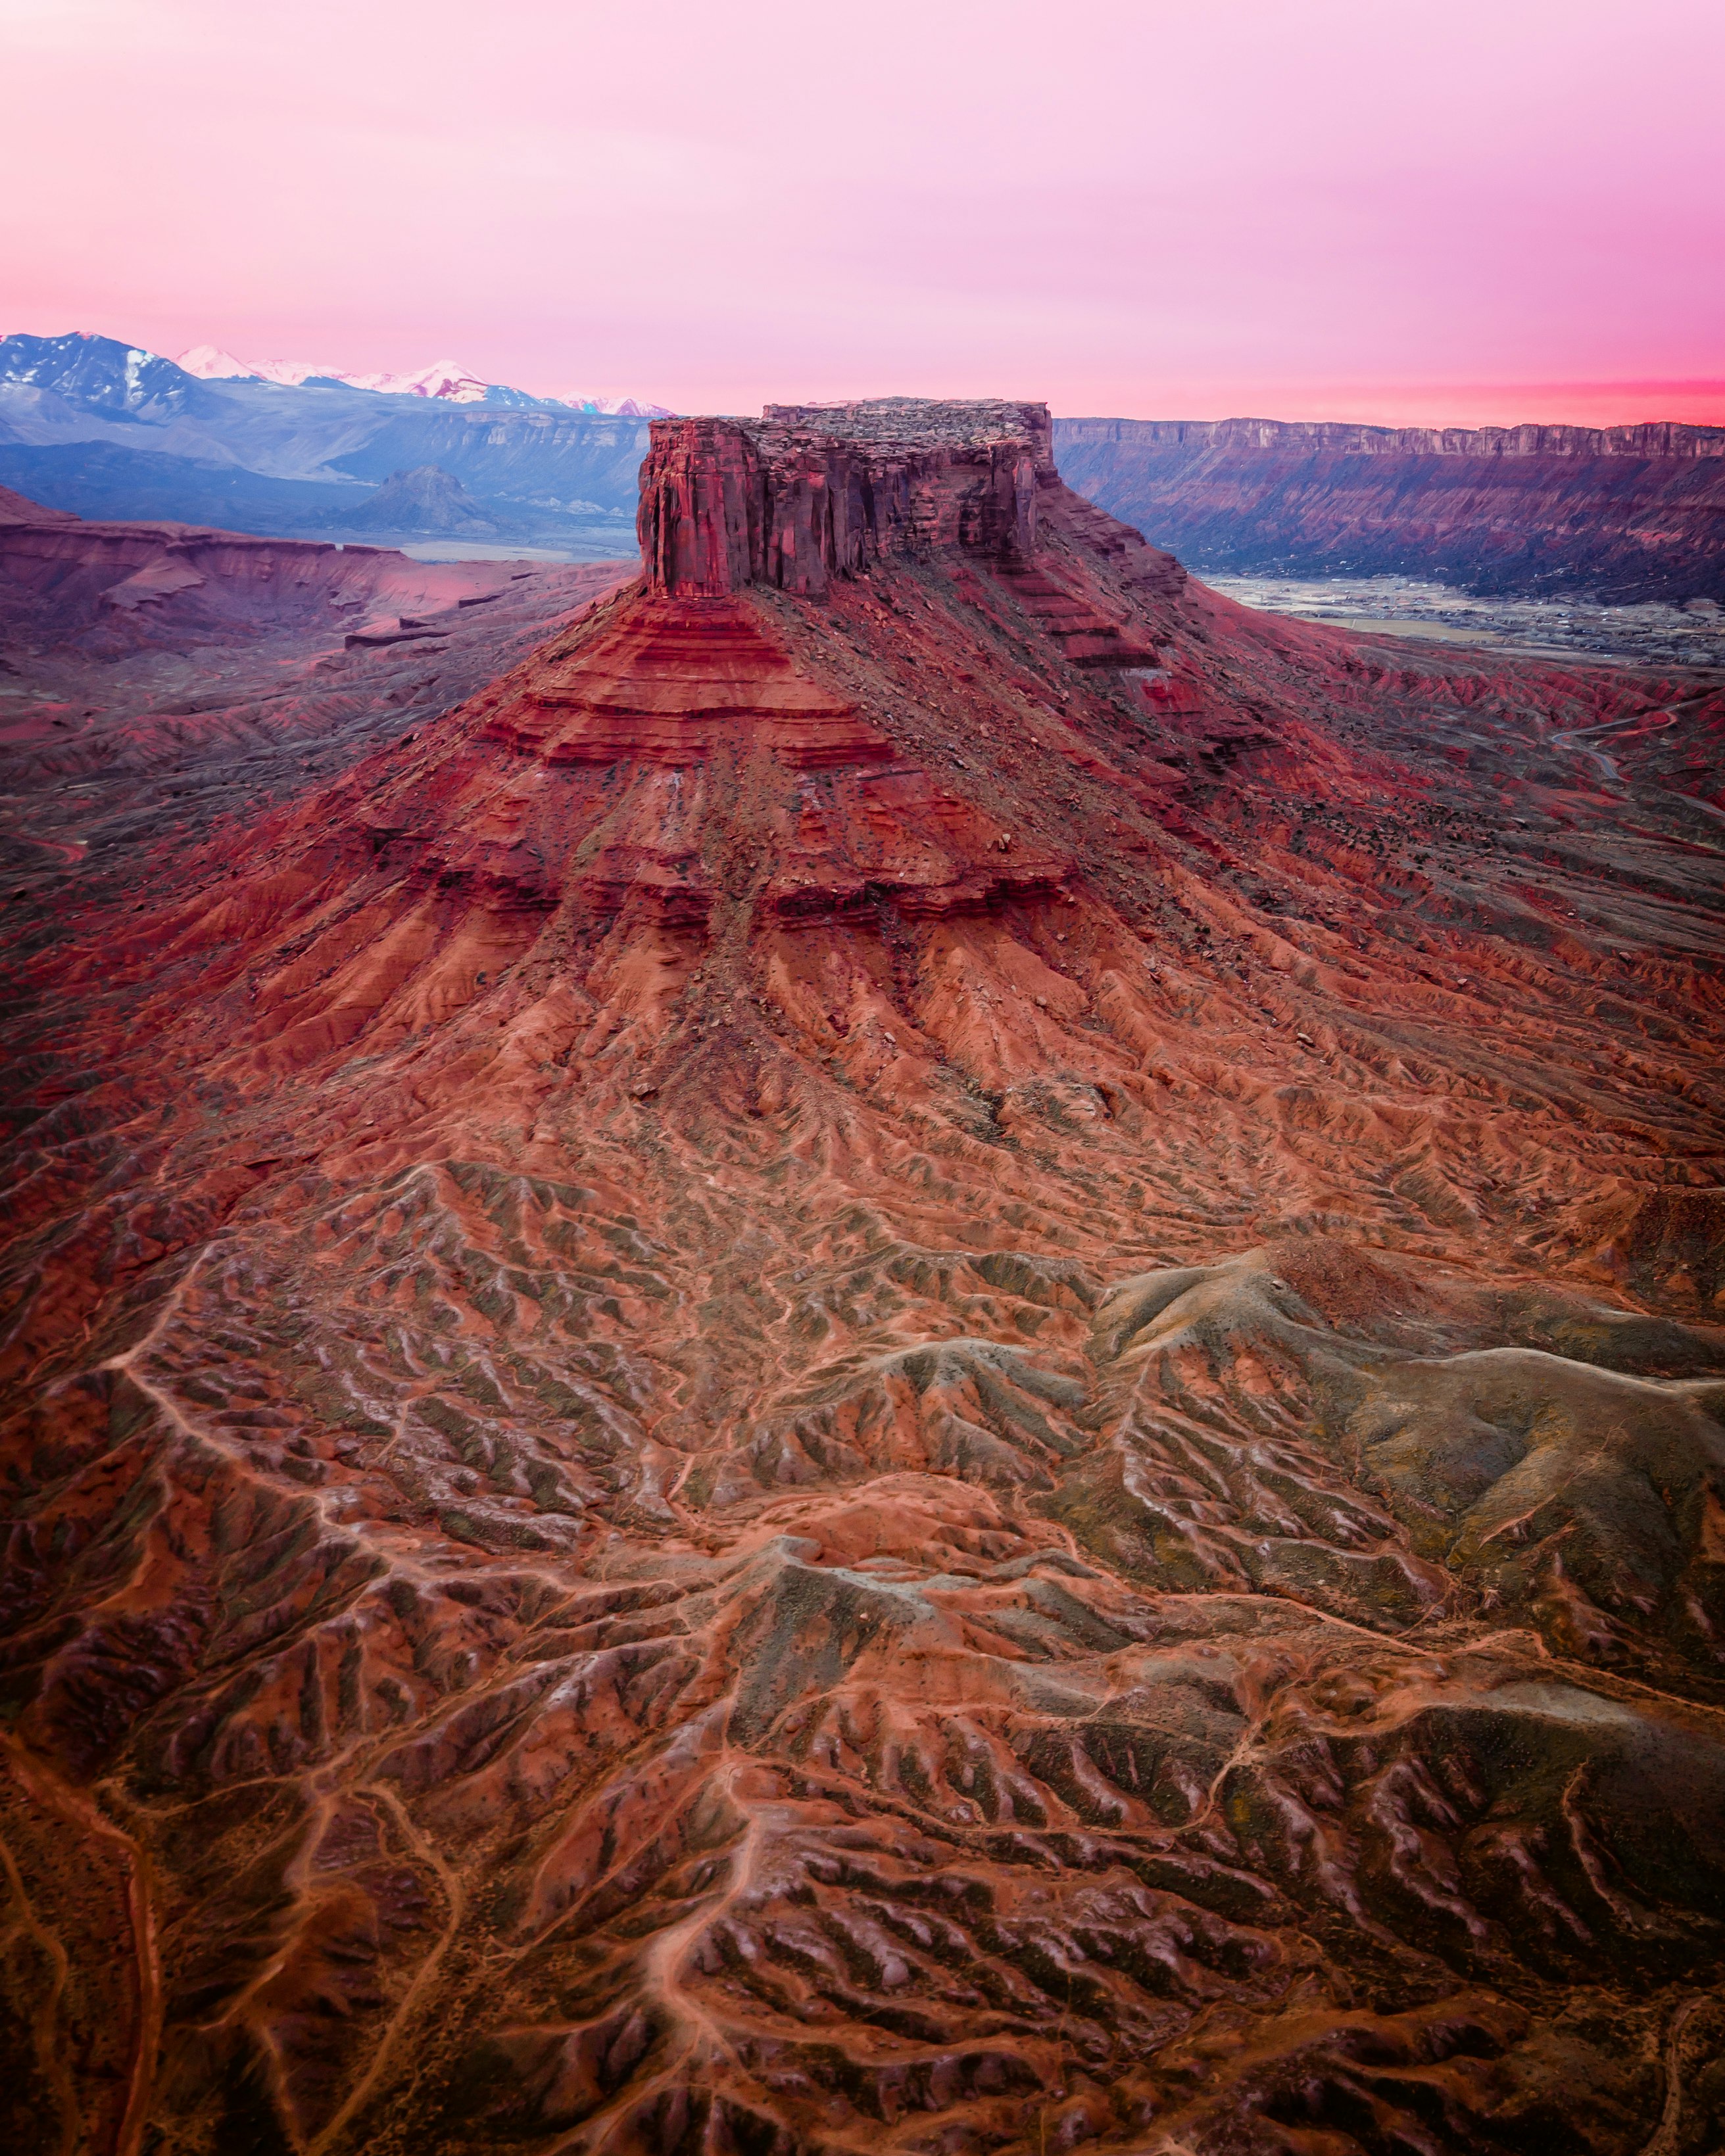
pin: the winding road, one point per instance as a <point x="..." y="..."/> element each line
<point x="1580" y="739"/>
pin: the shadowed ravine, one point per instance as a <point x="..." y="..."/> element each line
<point x="924" y="1352"/>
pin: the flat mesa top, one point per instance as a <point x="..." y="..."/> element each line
<point x="913" y="421"/>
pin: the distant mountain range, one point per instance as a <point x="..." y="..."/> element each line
<point x="291" y="448"/>
<point x="444" y="378"/>
<point x="109" y="430"/>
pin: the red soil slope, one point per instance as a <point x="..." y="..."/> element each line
<point x="922" y="1354"/>
<point x="153" y="674"/>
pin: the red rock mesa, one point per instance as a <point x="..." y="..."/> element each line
<point x="923" y="1353"/>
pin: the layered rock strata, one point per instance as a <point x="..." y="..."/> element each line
<point x="924" y="1361"/>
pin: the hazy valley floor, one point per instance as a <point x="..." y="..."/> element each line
<point x="1650" y="633"/>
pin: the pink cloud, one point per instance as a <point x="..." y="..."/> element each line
<point x="1512" y="209"/>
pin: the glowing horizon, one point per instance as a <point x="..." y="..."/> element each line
<point x="1472" y="215"/>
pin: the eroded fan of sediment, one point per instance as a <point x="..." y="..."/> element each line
<point x="925" y="1351"/>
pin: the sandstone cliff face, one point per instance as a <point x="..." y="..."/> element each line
<point x="808" y="493"/>
<point x="932" y="1368"/>
<point x="1660" y="439"/>
<point x="1626" y="512"/>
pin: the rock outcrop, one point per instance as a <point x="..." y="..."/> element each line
<point x="922" y="1352"/>
<point x="1626" y="513"/>
<point x="19" y="509"/>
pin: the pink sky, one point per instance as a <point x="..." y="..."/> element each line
<point x="1481" y="210"/>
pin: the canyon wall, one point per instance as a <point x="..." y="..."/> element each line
<point x="1626" y="513"/>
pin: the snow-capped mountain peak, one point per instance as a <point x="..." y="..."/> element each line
<point x="445" y="379"/>
<point x="613" y="408"/>
<point x="210" y="363"/>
